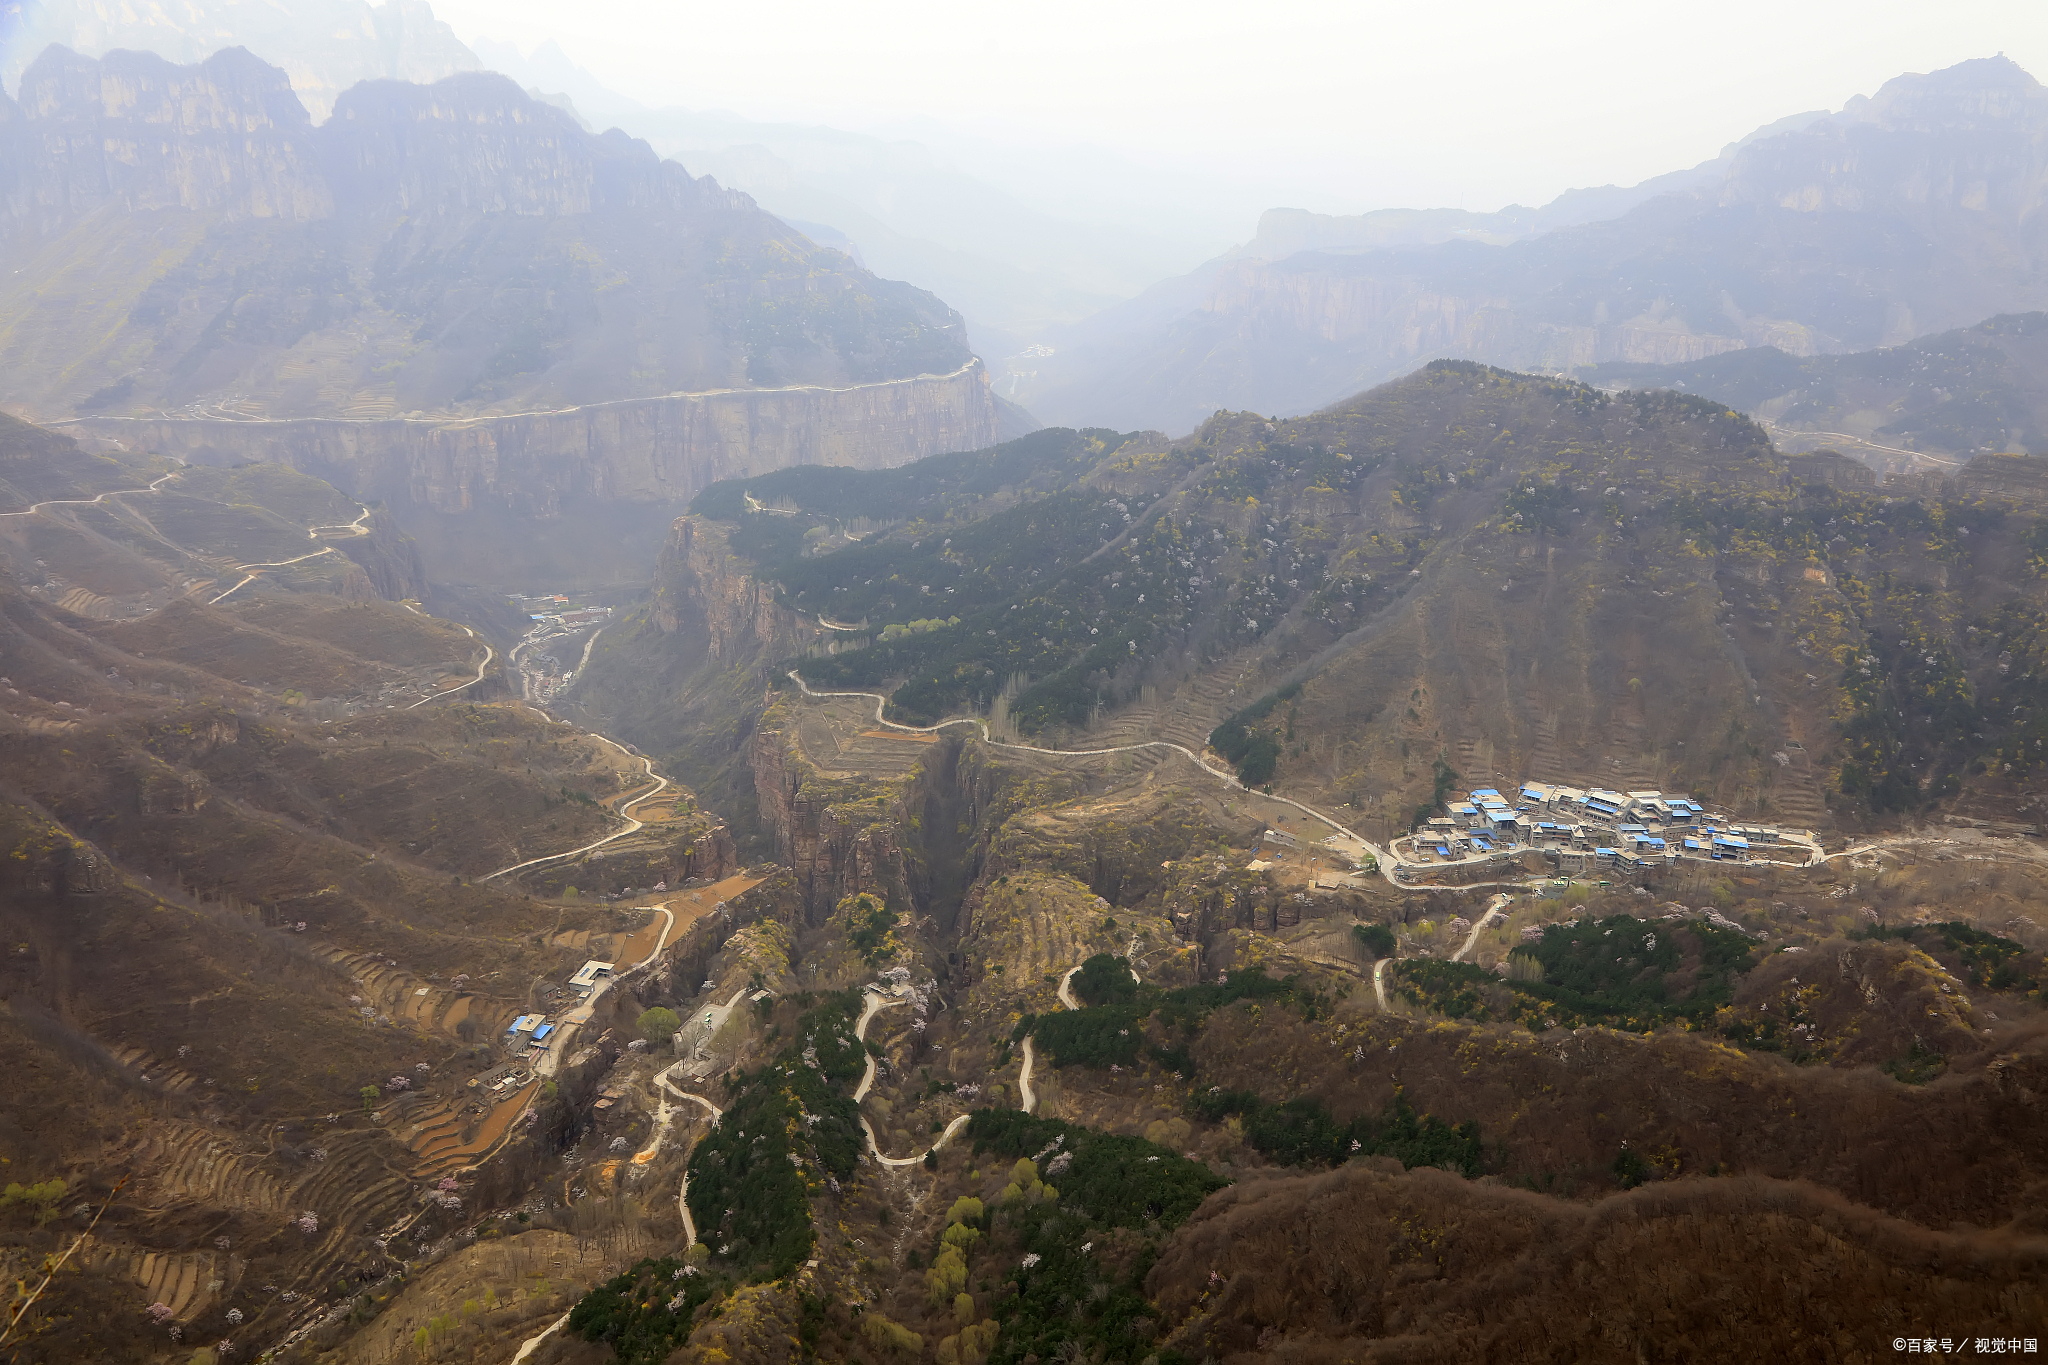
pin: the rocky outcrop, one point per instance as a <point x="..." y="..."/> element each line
<point x="161" y="789"/>
<point x="2021" y="479"/>
<point x="134" y="134"/>
<point x="389" y="559"/>
<point x="674" y="978"/>
<point x="709" y="854"/>
<point x="839" y="837"/>
<point x="685" y="674"/>
<point x="700" y="586"/>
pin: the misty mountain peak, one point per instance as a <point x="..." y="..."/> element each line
<point x="1980" y="93"/>
<point x="226" y="136"/>
<point x="1963" y="138"/>
<point x="231" y="91"/>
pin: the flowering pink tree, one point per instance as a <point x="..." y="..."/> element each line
<point x="309" y="1222"/>
<point x="159" y="1313"/>
<point x="398" y="1083"/>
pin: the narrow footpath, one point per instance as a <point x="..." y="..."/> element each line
<point x="1495" y="910"/>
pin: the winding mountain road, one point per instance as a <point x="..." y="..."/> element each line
<point x="1066" y="989"/>
<point x="489" y="654"/>
<point x="1026" y="1096"/>
<point x="876" y="1003"/>
<point x="1777" y="430"/>
<point x="633" y="826"/>
<point x="1065" y="992"/>
<point x="1228" y="779"/>
<point x="225" y="416"/>
<point x="1390" y="864"/>
<point x="35" y="507"/>
<point x="354" y="528"/>
<point x="683" y="1194"/>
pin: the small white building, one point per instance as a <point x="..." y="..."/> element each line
<point x="588" y="975"/>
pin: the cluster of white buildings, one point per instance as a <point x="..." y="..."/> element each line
<point x="1628" y="831"/>
<point x="557" y="610"/>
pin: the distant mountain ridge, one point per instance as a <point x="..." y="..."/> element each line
<point x="1949" y="397"/>
<point x="1285" y="232"/>
<point x="324" y="46"/>
<point x="186" y="238"/>
<point x="1911" y="211"/>
<point x="940" y="221"/>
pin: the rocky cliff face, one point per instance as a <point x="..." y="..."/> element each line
<point x="684" y="676"/>
<point x="700" y="586"/>
<point x="133" y="134"/>
<point x="839" y="837"/>
<point x="1910" y="212"/>
<point x="325" y="46"/>
<point x="702" y="850"/>
<point x="389" y="559"/>
<point x="663" y="450"/>
<point x="188" y="240"/>
<point x="674" y="977"/>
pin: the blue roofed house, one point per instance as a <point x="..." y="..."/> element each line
<point x="1604" y="805"/>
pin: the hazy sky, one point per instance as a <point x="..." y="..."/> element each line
<point x="1336" y="107"/>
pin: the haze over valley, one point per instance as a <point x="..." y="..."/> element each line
<point x="696" y="687"/>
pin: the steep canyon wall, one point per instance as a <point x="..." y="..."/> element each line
<point x="649" y="450"/>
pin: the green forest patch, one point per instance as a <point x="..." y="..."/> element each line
<point x="749" y="1198"/>
<point x="1618" y="972"/>
<point x="1073" y="1269"/>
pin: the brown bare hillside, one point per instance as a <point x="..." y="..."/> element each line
<point x="1562" y="1106"/>
<point x="1357" y="1265"/>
